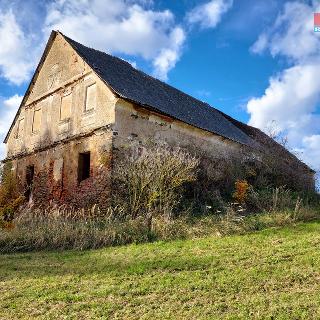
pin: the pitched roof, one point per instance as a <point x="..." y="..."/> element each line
<point x="138" y="87"/>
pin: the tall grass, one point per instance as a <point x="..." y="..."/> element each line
<point x="58" y="229"/>
<point x="61" y="229"/>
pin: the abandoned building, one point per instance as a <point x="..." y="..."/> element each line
<point x="83" y="105"/>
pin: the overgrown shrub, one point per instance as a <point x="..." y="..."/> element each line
<point x="8" y="185"/>
<point x="280" y="199"/>
<point x="151" y="180"/>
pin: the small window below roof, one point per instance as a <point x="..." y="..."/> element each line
<point x="20" y="128"/>
<point x="91" y="97"/>
<point x="36" y="123"/>
<point x="65" y="107"/>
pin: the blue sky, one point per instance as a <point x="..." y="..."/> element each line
<point x="256" y="60"/>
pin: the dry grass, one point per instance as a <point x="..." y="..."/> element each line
<point x="58" y="229"/>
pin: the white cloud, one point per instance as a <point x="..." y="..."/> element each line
<point x="292" y="98"/>
<point x="292" y="34"/>
<point x="167" y="58"/>
<point x="16" y="53"/>
<point x="129" y="27"/>
<point x="8" y="109"/>
<point x="120" y="27"/>
<point x="260" y="45"/>
<point x="209" y="14"/>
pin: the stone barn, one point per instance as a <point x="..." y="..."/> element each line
<point x="83" y="106"/>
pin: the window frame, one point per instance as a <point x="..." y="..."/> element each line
<point x="63" y="96"/>
<point x="87" y="86"/>
<point x="18" y="132"/>
<point x="38" y="109"/>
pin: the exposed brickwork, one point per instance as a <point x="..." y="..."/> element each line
<point x="65" y="190"/>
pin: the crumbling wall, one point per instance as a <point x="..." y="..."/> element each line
<point x="60" y="118"/>
<point x="56" y="176"/>
<point x="223" y="160"/>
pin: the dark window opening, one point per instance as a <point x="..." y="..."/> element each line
<point x="83" y="166"/>
<point x="29" y="181"/>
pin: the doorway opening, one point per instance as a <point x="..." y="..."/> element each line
<point x="83" y="166"/>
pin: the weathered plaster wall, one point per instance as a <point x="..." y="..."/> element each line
<point x="134" y="124"/>
<point x="62" y="73"/>
<point x="50" y="137"/>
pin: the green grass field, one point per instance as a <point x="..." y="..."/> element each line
<point x="273" y="274"/>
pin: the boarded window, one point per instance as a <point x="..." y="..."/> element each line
<point x="36" y="124"/>
<point x="91" y="97"/>
<point x="83" y="166"/>
<point x="20" y="128"/>
<point x="65" y="108"/>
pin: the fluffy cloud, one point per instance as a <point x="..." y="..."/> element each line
<point x="209" y="14"/>
<point x="121" y="27"/>
<point x="16" y="59"/>
<point x="8" y="109"/>
<point x="292" y="98"/>
<point x="168" y="57"/>
<point x="260" y="45"/>
<point x="292" y="34"/>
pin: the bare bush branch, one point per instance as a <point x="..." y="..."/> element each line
<point x="151" y="179"/>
